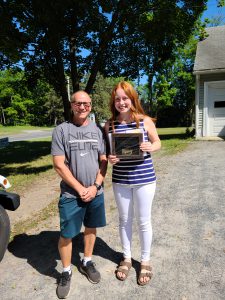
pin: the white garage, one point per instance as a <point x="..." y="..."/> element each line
<point x="209" y="69"/>
<point x="214" y="109"/>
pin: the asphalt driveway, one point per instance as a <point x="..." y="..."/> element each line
<point x="29" y="135"/>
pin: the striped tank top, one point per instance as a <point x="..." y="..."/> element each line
<point x="133" y="171"/>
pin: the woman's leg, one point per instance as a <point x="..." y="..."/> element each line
<point x="143" y="197"/>
<point x="124" y="200"/>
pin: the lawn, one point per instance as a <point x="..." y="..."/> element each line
<point x="22" y="162"/>
<point x="174" y="130"/>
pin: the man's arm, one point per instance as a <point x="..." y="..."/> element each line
<point x="92" y="190"/>
<point x="102" y="169"/>
<point x="66" y="175"/>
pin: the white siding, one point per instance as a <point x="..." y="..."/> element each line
<point x="203" y="79"/>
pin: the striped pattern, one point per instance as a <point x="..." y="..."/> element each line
<point x="135" y="171"/>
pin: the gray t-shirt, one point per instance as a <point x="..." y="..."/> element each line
<point x="81" y="146"/>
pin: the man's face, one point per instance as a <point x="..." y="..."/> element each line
<point x="81" y="105"/>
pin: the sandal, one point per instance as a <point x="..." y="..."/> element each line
<point x="148" y="273"/>
<point x="121" y="269"/>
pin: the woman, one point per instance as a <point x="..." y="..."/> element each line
<point x="133" y="180"/>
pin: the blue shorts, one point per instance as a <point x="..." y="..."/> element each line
<point x="74" y="212"/>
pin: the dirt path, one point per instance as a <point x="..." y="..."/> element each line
<point x="188" y="251"/>
<point x="35" y="197"/>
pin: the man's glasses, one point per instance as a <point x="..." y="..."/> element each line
<point x="85" y="104"/>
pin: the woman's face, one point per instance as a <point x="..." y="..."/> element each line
<point x="122" y="101"/>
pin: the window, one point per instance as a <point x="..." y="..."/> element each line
<point x="219" y="104"/>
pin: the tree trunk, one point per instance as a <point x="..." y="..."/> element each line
<point x="62" y="83"/>
<point x="106" y="37"/>
<point x="72" y="55"/>
<point x="150" y="79"/>
<point x="3" y="116"/>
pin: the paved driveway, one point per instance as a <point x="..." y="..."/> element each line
<point x="188" y="251"/>
<point x="29" y="135"/>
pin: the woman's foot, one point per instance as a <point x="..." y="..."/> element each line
<point x="123" y="269"/>
<point x="145" y="274"/>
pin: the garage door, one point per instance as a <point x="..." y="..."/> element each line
<point x="217" y="111"/>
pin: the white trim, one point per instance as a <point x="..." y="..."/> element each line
<point x="209" y="71"/>
<point x="205" y="110"/>
<point x="206" y="131"/>
<point x="197" y="84"/>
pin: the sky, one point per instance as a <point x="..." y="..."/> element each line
<point x="213" y="10"/>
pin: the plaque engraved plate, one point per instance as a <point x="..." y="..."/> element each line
<point x="127" y="145"/>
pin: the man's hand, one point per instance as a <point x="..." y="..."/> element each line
<point x="87" y="194"/>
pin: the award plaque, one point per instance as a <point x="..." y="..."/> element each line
<point x="127" y="145"/>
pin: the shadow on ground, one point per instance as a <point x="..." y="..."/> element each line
<point x="41" y="251"/>
<point x="20" y="152"/>
<point x="23" y="153"/>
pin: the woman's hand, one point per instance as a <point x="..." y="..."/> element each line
<point x="113" y="159"/>
<point x="147" y="147"/>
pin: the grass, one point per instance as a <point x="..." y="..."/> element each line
<point x="172" y="131"/>
<point x="173" y="146"/>
<point x="180" y="133"/>
<point x="23" y="162"/>
<point x="9" y="130"/>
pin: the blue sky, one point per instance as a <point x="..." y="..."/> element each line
<point x="213" y="10"/>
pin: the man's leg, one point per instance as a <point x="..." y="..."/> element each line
<point x="89" y="241"/>
<point x="88" y="267"/>
<point x="65" y="251"/>
<point x="94" y="218"/>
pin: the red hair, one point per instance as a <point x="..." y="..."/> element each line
<point x="136" y="108"/>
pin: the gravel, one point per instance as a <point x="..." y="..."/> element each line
<point x="188" y="250"/>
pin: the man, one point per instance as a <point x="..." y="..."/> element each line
<point x="79" y="157"/>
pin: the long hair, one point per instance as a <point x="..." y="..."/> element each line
<point x="136" y="108"/>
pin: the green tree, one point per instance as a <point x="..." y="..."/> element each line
<point x="14" y="98"/>
<point x="120" y="38"/>
<point x="174" y="87"/>
<point x="47" y="108"/>
<point x="18" y="105"/>
<point x="101" y="94"/>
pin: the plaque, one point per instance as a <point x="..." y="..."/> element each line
<point x="127" y="145"/>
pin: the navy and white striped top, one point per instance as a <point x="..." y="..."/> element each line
<point x="133" y="171"/>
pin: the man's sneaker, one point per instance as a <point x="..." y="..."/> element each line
<point x="90" y="271"/>
<point x="63" y="288"/>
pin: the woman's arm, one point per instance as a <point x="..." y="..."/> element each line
<point x="111" y="158"/>
<point x="155" y="143"/>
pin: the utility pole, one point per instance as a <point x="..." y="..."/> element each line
<point x="68" y="86"/>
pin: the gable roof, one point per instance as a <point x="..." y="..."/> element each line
<point x="210" y="55"/>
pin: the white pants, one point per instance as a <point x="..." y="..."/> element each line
<point x="136" y="199"/>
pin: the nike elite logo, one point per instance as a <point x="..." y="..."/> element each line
<point x="83" y="154"/>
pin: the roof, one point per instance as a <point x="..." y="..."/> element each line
<point x="210" y="55"/>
